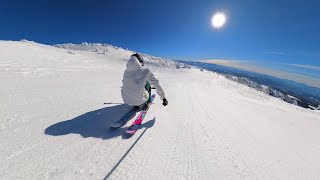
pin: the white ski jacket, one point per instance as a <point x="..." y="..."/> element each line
<point x="134" y="80"/>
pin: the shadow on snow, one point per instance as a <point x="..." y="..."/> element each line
<point x="95" y="124"/>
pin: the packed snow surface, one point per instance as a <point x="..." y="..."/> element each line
<point x="57" y="104"/>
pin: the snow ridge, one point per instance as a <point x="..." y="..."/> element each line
<point x="93" y="47"/>
<point x="265" y="89"/>
<point x="106" y="49"/>
<point x="232" y="74"/>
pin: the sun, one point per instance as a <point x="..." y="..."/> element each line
<point x="218" y="20"/>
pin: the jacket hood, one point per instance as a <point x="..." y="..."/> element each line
<point x="133" y="64"/>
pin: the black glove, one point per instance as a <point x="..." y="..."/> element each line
<point x="165" y="102"/>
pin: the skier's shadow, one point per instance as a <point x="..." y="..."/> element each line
<point x="95" y="124"/>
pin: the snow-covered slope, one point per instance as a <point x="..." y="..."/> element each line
<point x="57" y="104"/>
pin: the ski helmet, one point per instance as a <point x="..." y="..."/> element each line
<point x="139" y="57"/>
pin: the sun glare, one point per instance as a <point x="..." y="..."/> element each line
<point x="218" y="20"/>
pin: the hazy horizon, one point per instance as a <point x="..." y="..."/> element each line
<point x="306" y="74"/>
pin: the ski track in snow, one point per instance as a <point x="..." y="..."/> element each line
<point x="54" y="123"/>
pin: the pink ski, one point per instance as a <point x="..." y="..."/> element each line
<point x="136" y="124"/>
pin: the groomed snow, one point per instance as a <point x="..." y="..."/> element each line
<point x="57" y="104"/>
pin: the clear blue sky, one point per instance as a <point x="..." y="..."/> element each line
<point x="259" y="30"/>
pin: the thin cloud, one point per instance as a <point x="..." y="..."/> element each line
<point x="223" y="61"/>
<point x="306" y="66"/>
<point x="299" y="54"/>
<point x="278" y="53"/>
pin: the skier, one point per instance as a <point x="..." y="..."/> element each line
<point x="137" y="82"/>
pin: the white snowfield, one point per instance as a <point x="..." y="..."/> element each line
<point x="57" y="105"/>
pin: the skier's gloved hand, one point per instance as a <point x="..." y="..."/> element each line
<point x="165" y="102"/>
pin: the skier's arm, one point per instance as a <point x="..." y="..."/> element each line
<point x="155" y="83"/>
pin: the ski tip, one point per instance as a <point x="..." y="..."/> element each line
<point x="131" y="132"/>
<point x="115" y="125"/>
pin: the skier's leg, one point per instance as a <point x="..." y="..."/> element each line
<point x="145" y="105"/>
<point x="148" y="88"/>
